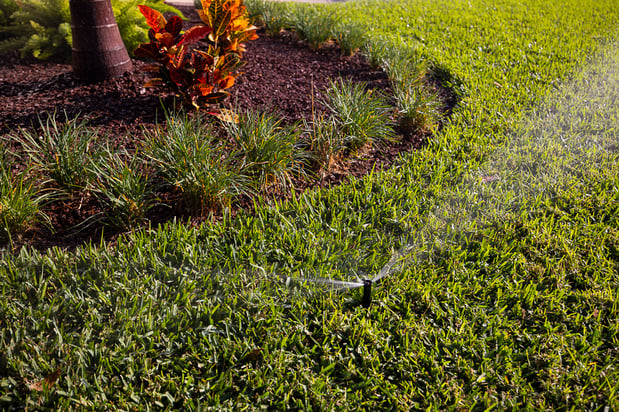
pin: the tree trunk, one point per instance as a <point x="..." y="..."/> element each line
<point x="98" y="50"/>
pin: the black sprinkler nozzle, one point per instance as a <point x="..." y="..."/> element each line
<point x="367" y="293"/>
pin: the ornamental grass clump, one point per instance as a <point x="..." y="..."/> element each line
<point x="350" y="37"/>
<point x="312" y="25"/>
<point x="375" y="52"/>
<point x="200" y="77"/>
<point x="124" y="188"/>
<point x="362" y="116"/>
<point x="417" y="109"/>
<point x="268" y="151"/>
<point x="21" y="200"/>
<point x="61" y="152"/>
<point x="190" y="158"/>
<point x="324" y="141"/>
<point x="274" y="16"/>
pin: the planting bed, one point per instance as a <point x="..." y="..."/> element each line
<point x="280" y="76"/>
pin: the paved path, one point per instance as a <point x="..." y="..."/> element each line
<point x="190" y="2"/>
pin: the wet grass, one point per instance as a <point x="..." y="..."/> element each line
<point x="501" y="238"/>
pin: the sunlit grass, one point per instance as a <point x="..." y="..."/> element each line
<point x="505" y="295"/>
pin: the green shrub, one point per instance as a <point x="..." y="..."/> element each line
<point x="7" y="8"/>
<point x="42" y="28"/>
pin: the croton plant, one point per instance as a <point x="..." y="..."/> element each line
<point x="199" y="75"/>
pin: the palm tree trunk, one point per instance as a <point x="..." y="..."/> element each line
<point x="98" y="50"/>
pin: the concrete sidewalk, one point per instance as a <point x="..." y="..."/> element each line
<point x="190" y="2"/>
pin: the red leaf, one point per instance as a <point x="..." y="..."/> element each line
<point x="205" y="56"/>
<point x="194" y="34"/>
<point x="153" y="18"/>
<point x="177" y="77"/>
<point x="149" y="50"/>
<point x="174" y="26"/>
<point x="213" y="98"/>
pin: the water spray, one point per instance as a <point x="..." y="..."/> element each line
<point x="340" y="285"/>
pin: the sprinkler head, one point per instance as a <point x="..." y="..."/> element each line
<point x="367" y="293"/>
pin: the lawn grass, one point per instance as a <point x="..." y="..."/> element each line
<point x="500" y="239"/>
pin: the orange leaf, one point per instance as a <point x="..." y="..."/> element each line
<point x="154" y="83"/>
<point x="47" y="382"/>
<point x="204" y="17"/>
<point x="151" y="68"/>
<point x="214" y="98"/>
<point x="153" y="18"/>
<point x="165" y="38"/>
<point x="204" y="89"/>
<point x="226" y="83"/>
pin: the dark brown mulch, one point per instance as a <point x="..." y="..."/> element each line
<point x="281" y="75"/>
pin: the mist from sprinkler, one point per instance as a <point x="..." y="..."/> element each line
<point x="544" y="151"/>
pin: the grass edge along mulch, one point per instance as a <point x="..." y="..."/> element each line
<point x="514" y="311"/>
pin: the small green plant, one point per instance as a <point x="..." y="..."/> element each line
<point x="362" y="116"/>
<point x="312" y="25"/>
<point x="268" y="151"/>
<point x="350" y="37"/>
<point x="123" y="186"/>
<point x="324" y="141"/>
<point x="274" y="16"/>
<point x="199" y="77"/>
<point x="62" y="151"/>
<point x="189" y="157"/>
<point x="418" y="109"/>
<point x="375" y="51"/>
<point x="20" y="201"/>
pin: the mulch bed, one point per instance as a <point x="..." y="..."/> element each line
<point x="281" y="76"/>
